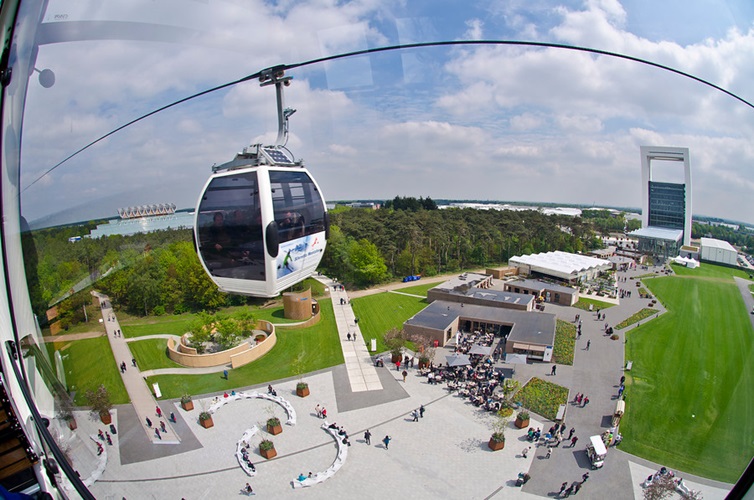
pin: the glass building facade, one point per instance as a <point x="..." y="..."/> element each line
<point x="667" y="205"/>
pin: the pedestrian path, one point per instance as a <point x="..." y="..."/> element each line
<point x="141" y="397"/>
<point x="362" y="375"/>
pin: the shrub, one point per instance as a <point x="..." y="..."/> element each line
<point x="523" y="415"/>
<point x="302" y="385"/>
<point x="205" y="415"/>
<point x="273" y="421"/>
<point x="186" y="398"/>
<point x="542" y="397"/>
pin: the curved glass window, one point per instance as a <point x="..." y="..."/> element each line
<point x="299" y="210"/>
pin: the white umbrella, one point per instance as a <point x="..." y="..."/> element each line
<point x="481" y="350"/>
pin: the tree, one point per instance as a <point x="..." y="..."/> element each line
<point x="368" y="265"/>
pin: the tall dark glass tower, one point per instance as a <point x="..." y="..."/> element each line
<point x="666" y="205"/>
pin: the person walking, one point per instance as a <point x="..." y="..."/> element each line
<point x="573" y="441"/>
<point x="563" y="488"/>
<point x="421" y="411"/>
<point x="149" y="422"/>
<point x="584" y="477"/>
<point x="247" y="489"/>
<point x="549" y="452"/>
<point x="158" y="411"/>
<point x="405" y="374"/>
<point x="571" y="432"/>
<point x="552" y="372"/>
<point x="415" y="414"/>
<point x="368" y="437"/>
<point x="349" y="336"/>
<point x="586" y="401"/>
<point x="525" y="451"/>
<point x="588" y="344"/>
<point x="386" y="441"/>
<point x="133" y="362"/>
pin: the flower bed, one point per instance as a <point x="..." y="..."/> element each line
<point x="542" y="397"/>
<point x="565" y="340"/>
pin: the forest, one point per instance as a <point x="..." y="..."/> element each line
<point x="159" y="272"/>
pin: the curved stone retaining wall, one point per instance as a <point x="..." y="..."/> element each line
<point x="235" y="356"/>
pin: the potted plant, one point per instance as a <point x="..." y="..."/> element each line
<point x="273" y="426"/>
<point x="522" y="419"/>
<point x="497" y="440"/>
<point x="100" y="404"/>
<point x="302" y="389"/>
<point x="267" y="449"/>
<point x="186" y="402"/>
<point x="205" y="419"/>
<point x="395" y="341"/>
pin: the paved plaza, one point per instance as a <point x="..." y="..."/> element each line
<point x="443" y="455"/>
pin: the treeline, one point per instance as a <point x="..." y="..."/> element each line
<point x="740" y="236"/>
<point x="159" y="272"/>
<point x="410" y="203"/>
<point x="369" y="246"/>
<point x="607" y="222"/>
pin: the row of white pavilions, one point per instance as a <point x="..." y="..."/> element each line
<point x="146" y="210"/>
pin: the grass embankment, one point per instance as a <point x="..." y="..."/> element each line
<point x="89" y="363"/>
<point x="380" y="312"/>
<point x="689" y="400"/>
<point x="585" y="302"/>
<point x="565" y="340"/>
<point x="151" y="354"/>
<point x="636" y="317"/>
<point x="542" y="397"/>
<point x="319" y="344"/>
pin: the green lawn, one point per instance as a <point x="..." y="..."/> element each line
<point x="418" y="289"/>
<point x="319" y="343"/>
<point x="689" y="402"/>
<point x="94" y="365"/>
<point x="380" y="312"/>
<point x="636" y="317"/>
<point x="178" y="324"/>
<point x="710" y="271"/>
<point x="151" y="354"/>
<point x="585" y="302"/>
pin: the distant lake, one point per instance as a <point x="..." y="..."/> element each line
<point x="125" y="227"/>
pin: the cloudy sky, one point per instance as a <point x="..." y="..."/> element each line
<point x="463" y="122"/>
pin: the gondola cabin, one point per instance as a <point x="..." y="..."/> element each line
<point x="260" y="223"/>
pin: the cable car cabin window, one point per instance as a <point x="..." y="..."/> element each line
<point x="298" y="206"/>
<point x="230" y="228"/>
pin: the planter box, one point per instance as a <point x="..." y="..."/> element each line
<point x="106" y="418"/>
<point x="496" y="445"/>
<point x="423" y="364"/>
<point x="396" y="357"/>
<point x="302" y="393"/>
<point x="274" y="429"/>
<point x="207" y="423"/>
<point x="188" y="406"/>
<point x="521" y="423"/>
<point x="268" y="454"/>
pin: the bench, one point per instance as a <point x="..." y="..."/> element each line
<point x="245" y="440"/>
<point x="629" y="364"/>
<point x="340" y="459"/>
<point x="560" y="416"/>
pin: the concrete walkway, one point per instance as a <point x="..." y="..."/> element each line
<point x="362" y="373"/>
<point x="141" y="397"/>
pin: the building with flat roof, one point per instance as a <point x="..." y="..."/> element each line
<point x="570" y="268"/>
<point x="718" y="251"/>
<point x="550" y="292"/>
<point x="529" y="333"/>
<point x="658" y="241"/>
<point x="471" y="288"/>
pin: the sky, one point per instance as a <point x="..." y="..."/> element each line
<point x="483" y="122"/>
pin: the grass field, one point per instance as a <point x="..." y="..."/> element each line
<point x="319" y="343"/>
<point x="689" y="402"/>
<point x="565" y="341"/>
<point x="636" y="317"/>
<point x="418" y="289"/>
<point x="89" y="363"/>
<point x="585" y="302"/>
<point x="151" y="354"/>
<point x="380" y="312"/>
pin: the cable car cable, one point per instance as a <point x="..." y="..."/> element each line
<point x="310" y="62"/>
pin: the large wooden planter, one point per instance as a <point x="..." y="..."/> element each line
<point x="496" y="445"/>
<point x="396" y="357"/>
<point x="268" y="454"/>
<point x="188" y="405"/>
<point x="106" y="418"/>
<point x="274" y="429"/>
<point x="303" y="392"/>
<point x="423" y="364"/>
<point x="521" y="423"/>
<point x="207" y="423"/>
